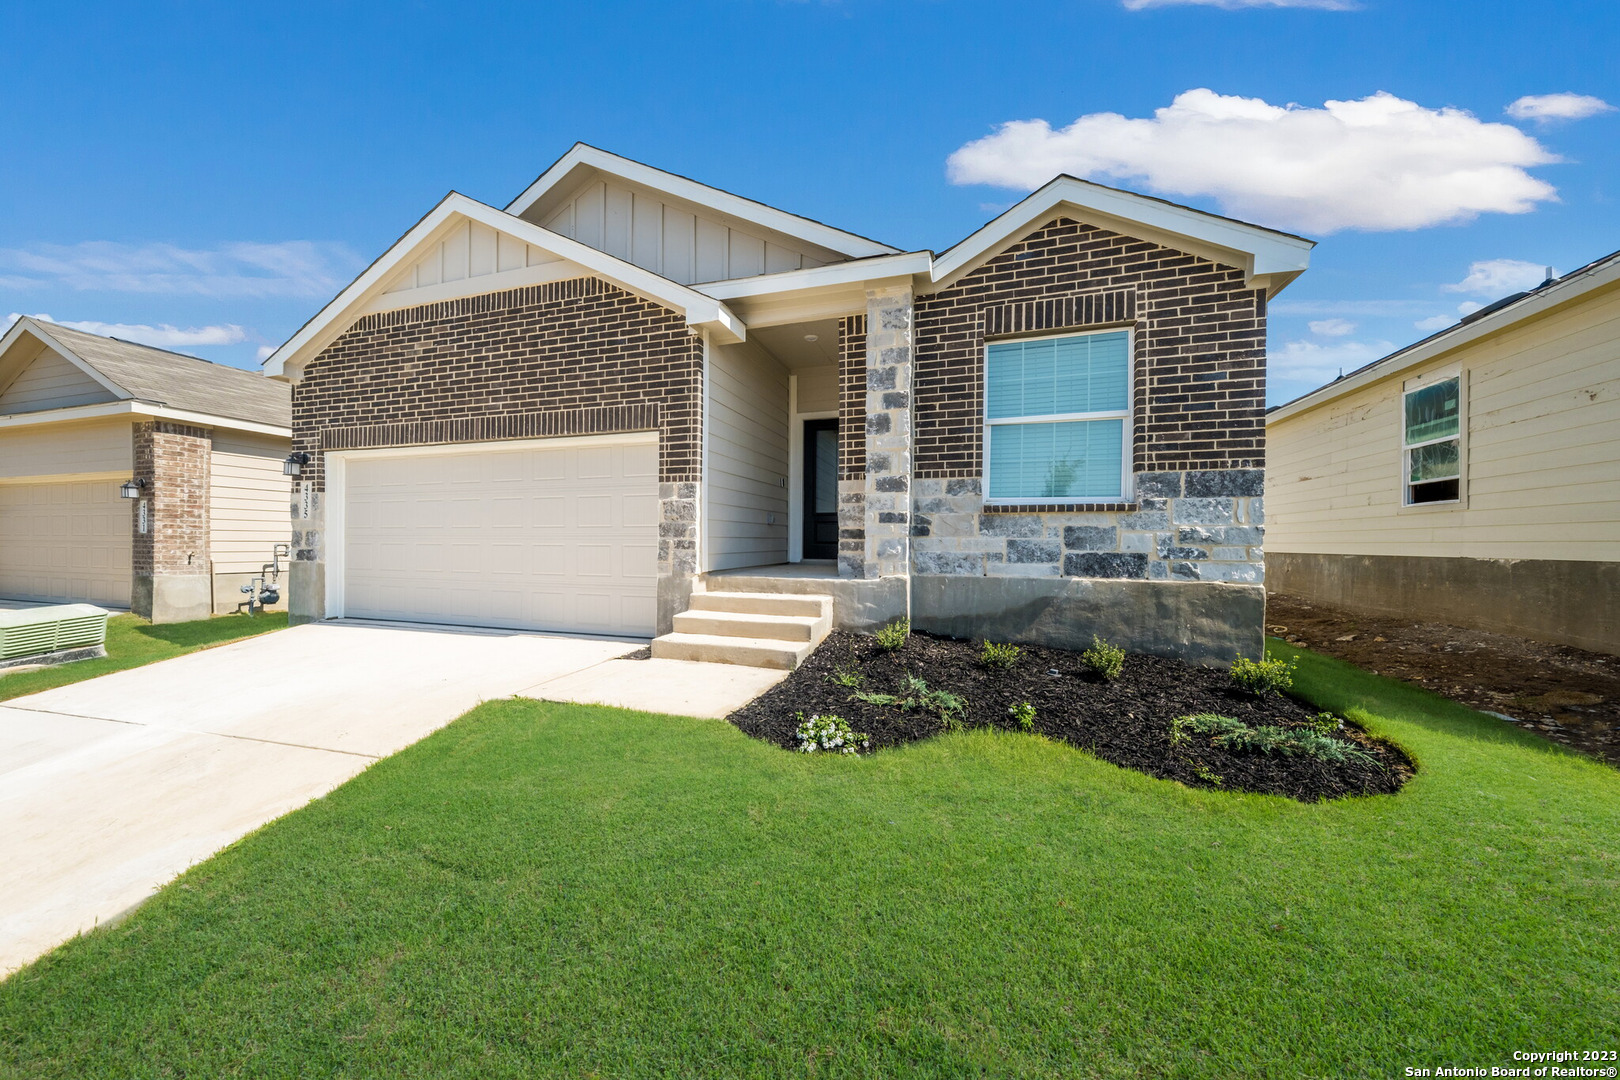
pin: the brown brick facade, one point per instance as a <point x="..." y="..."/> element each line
<point x="1200" y="346"/>
<point x="569" y="357"/>
<point x="851" y="397"/>
<point x="174" y="461"/>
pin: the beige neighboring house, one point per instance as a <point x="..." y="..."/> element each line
<point x="81" y="415"/>
<point x="1472" y="478"/>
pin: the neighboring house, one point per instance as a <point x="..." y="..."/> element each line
<point x="80" y="415"/>
<point x="628" y="386"/>
<point x="1472" y="478"/>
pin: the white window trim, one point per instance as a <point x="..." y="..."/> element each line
<point x="1128" y="415"/>
<point x="1409" y="387"/>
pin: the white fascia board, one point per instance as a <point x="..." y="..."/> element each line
<point x="700" y="310"/>
<point x="137" y="410"/>
<point x="880" y="268"/>
<point x="38" y="329"/>
<point x="814" y="232"/>
<point x="1263" y="254"/>
<point x="1456" y="337"/>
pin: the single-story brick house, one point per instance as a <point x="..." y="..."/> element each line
<point x="628" y="387"/>
<point x="1472" y="478"/>
<point x="204" y="445"/>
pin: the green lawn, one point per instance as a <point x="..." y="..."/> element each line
<point x="544" y="890"/>
<point x="132" y="642"/>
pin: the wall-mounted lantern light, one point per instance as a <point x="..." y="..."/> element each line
<point x="131" y="489"/>
<point x="294" y="464"/>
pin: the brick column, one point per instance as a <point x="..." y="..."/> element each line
<point x="173" y="579"/>
<point x="887" y="486"/>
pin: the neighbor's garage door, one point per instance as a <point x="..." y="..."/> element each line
<point x="542" y="538"/>
<point x="65" y="542"/>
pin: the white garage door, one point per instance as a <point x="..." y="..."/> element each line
<point x="561" y="537"/>
<point x="65" y="542"/>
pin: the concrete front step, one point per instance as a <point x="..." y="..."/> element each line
<point x="767" y="630"/>
<point x="755" y="603"/>
<point x="746" y="624"/>
<point x="716" y="649"/>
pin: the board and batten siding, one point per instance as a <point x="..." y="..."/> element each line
<point x="1541" y="456"/>
<point x="678" y="241"/>
<point x="746" y="463"/>
<point x="99" y="449"/>
<point x="51" y="382"/>
<point x="249" y="501"/>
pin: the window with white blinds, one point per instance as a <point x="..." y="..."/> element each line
<point x="1057" y="418"/>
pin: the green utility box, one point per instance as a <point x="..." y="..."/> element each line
<point x="52" y="635"/>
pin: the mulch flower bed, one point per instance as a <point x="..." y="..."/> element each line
<point x="1126" y="721"/>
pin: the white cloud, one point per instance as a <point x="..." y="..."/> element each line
<point x="1377" y="163"/>
<point x="264" y="352"/>
<point x="1498" y="277"/>
<point x="1233" y="5"/>
<point x="1310" y="361"/>
<point x="1437" y="322"/>
<point x="1333" y="327"/>
<point x="298" y="268"/>
<point x="163" y="336"/>
<point x="1548" y="107"/>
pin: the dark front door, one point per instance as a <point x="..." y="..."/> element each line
<point x="821" y="489"/>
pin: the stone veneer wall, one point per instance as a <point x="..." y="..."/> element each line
<point x="577" y="357"/>
<point x="1198" y="395"/>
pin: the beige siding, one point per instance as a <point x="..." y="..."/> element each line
<point x="85" y="448"/>
<point x="471" y="250"/>
<point x="51" y="382"/>
<point x="684" y="243"/>
<point x="249" y="502"/>
<point x="818" y="389"/>
<point x="747" y="459"/>
<point x="1542" y="454"/>
<point x="65" y="542"/>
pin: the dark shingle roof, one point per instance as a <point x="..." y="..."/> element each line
<point x="160" y="377"/>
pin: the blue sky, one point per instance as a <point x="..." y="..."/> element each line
<point x="217" y="173"/>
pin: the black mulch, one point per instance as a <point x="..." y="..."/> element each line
<point x="1126" y="721"/>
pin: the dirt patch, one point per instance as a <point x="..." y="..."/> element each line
<point x="1127" y="721"/>
<point x="1567" y="695"/>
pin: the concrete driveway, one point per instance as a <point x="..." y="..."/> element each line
<point x="110" y="787"/>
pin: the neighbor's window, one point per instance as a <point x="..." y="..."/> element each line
<point x="1432" y="441"/>
<point x="1057" y="418"/>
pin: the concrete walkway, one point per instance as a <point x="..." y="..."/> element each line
<point x="110" y="787"/>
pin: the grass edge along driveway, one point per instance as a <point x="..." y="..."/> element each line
<point x="567" y="890"/>
<point x="133" y="642"/>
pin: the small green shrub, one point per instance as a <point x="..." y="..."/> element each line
<point x="893" y="636"/>
<point x="1263" y="676"/>
<point x="847" y="676"/>
<point x="999" y="657"/>
<point x="1102" y="659"/>
<point x="1024" y="714"/>
<point x="1208" y="775"/>
<point x="1232" y="734"/>
<point x="830" y="734"/>
<point x="947" y="706"/>
<point x="1323" y="723"/>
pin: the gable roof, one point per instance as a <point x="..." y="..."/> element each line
<point x="1502" y="315"/>
<point x="582" y="160"/>
<point x="700" y="310"/>
<point x="1268" y="258"/>
<point x="152" y="376"/>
